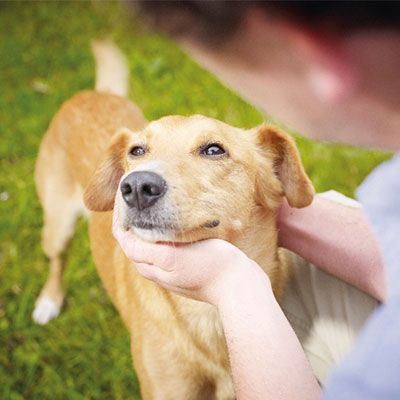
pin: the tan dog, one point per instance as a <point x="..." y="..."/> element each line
<point x="177" y="179"/>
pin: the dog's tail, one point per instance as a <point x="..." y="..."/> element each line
<point x="112" y="72"/>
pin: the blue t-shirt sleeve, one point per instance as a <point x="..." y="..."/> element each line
<point x="372" y="370"/>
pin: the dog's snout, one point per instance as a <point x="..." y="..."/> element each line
<point x="142" y="189"/>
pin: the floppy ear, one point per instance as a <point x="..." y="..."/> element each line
<point x="99" y="195"/>
<point x="281" y="149"/>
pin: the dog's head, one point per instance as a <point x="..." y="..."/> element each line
<point x="189" y="178"/>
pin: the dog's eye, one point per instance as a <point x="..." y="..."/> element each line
<point x="137" y="151"/>
<point x="212" y="149"/>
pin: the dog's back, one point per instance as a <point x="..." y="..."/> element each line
<point x="73" y="144"/>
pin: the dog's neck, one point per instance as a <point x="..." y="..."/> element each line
<point x="259" y="239"/>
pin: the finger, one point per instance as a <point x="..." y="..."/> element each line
<point x="162" y="255"/>
<point x="119" y="233"/>
<point x="153" y="273"/>
<point x="126" y="239"/>
<point x="162" y="278"/>
<point x="138" y="250"/>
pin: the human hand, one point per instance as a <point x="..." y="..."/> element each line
<point x="203" y="270"/>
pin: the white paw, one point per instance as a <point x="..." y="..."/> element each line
<point x="45" y="310"/>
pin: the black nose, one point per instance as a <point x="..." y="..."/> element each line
<point x="142" y="189"/>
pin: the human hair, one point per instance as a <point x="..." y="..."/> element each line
<point x="215" y="21"/>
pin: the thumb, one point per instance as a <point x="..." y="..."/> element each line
<point x="137" y="250"/>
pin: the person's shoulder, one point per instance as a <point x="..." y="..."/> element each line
<point x="381" y="186"/>
<point x="380" y="198"/>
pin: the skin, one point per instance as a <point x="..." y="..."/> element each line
<point x="247" y="334"/>
<point x="326" y="86"/>
<point x="348" y="250"/>
<point x="252" y="320"/>
<point x="332" y="88"/>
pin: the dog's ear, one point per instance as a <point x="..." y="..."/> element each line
<point x="100" y="193"/>
<point x="281" y="149"/>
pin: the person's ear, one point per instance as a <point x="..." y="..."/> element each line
<point x="280" y="151"/>
<point x="100" y="193"/>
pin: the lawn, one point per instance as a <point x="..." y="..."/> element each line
<point x="44" y="59"/>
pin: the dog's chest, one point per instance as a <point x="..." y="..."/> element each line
<point x="202" y="328"/>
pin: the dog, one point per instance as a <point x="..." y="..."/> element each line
<point x="177" y="179"/>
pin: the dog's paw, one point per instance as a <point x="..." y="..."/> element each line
<point x="45" y="310"/>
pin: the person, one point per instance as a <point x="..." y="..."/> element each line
<point x="330" y="70"/>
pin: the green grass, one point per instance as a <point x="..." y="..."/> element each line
<point x="84" y="354"/>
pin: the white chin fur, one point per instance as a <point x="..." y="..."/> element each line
<point x="154" y="235"/>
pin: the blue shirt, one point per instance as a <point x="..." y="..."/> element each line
<point x="372" y="370"/>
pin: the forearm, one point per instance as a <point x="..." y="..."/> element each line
<point x="266" y="357"/>
<point x="338" y="239"/>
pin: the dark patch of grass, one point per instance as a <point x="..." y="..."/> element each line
<point x="84" y="354"/>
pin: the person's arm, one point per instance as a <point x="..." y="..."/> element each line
<point x="338" y="239"/>
<point x="266" y="357"/>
